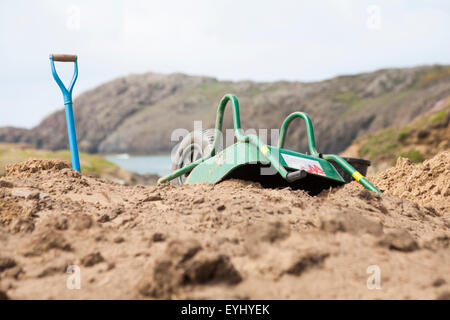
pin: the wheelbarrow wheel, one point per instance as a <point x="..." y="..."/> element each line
<point x="194" y="146"/>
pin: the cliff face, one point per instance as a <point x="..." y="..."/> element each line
<point x="419" y="140"/>
<point x="138" y="113"/>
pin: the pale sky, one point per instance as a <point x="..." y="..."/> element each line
<point x="232" y="40"/>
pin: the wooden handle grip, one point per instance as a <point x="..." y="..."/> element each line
<point x="64" y="57"/>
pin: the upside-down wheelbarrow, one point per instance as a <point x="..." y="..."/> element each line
<point x="198" y="159"/>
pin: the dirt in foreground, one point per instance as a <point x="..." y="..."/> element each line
<point x="234" y="240"/>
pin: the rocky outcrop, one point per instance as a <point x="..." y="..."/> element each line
<point x="138" y="113"/>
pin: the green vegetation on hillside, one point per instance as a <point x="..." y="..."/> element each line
<point x="416" y="141"/>
<point x="413" y="155"/>
<point x="382" y="144"/>
<point x="438" y="116"/>
<point x="347" y="97"/>
<point x="427" y="78"/>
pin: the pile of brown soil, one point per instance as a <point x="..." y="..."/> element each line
<point x="233" y="240"/>
<point x="427" y="184"/>
<point x="33" y="166"/>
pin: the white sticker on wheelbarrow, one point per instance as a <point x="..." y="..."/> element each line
<point x="311" y="166"/>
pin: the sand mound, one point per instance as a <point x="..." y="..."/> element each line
<point x="233" y="240"/>
<point x="9" y="210"/>
<point x="427" y="184"/>
<point x="33" y="166"/>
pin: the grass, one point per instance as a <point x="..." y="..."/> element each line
<point x="403" y="134"/>
<point x="438" y="116"/>
<point x="216" y="90"/>
<point x="213" y="90"/>
<point x="413" y="155"/>
<point x="347" y="97"/>
<point x="355" y="103"/>
<point x="391" y="143"/>
<point x="438" y="73"/>
<point x="384" y="144"/>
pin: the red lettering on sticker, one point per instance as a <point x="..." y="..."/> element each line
<point x="316" y="169"/>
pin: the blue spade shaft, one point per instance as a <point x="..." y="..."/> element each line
<point x="67" y="94"/>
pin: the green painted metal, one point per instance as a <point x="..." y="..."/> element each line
<point x="253" y="139"/>
<point x="309" y="131"/>
<point x="347" y="167"/>
<point x="329" y="171"/>
<point x="312" y="148"/>
<point x="250" y="149"/>
<point x="216" y="168"/>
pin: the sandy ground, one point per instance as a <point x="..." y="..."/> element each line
<point x="233" y="240"/>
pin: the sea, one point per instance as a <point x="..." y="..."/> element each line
<point x="155" y="164"/>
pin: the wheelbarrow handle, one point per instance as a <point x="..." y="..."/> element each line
<point x="309" y="131"/>
<point x="64" y="57"/>
<point x="238" y="133"/>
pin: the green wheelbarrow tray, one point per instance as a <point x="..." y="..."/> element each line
<point x="251" y="159"/>
<point x="244" y="161"/>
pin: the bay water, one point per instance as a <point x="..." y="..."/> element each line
<point x="154" y="164"/>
